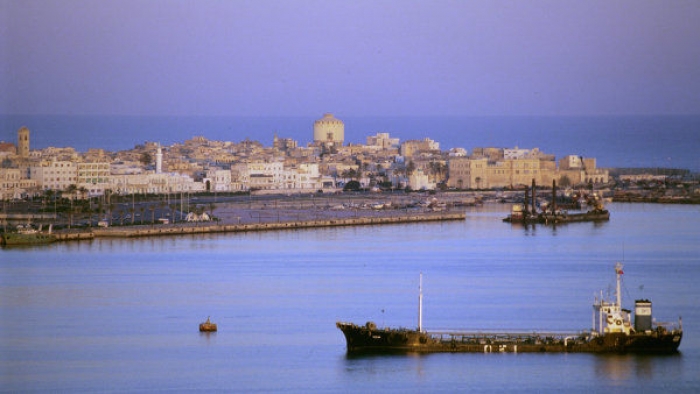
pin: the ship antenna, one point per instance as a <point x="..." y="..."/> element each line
<point x="618" y="274"/>
<point x="420" y="303"/>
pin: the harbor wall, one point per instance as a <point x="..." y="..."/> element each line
<point x="200" y="228"/>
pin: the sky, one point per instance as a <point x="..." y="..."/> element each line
<point x="354" y="58"/>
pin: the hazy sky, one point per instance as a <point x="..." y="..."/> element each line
<point x="353" y="58"/>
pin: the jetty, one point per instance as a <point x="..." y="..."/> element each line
<point x="184" y="228"/>
<point x="206" y="227"/>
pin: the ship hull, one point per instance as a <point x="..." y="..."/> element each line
<point x="369" y="339"/>
<point x="560" y="218"/>
<point x="17" y="239"/>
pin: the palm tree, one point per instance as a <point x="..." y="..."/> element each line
<point x="161" y="205"/>
<point x="111" y="210"/>
<point x="71" y="189"/>
<point x="173" y="209"/>
<point x="212" y="206"/>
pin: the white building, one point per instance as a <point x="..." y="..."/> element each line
<point x="54" y="175"/>
<point x="258" y="175"/>
<point x="218" y="180"/>
<point x="154" y="184"/>
<point x="420" y="181"/>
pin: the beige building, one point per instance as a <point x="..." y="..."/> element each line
<point x="479" y="173"/>
<point x="329" y="130"/>
<point x="520" y="170"/>
<point x="10" y="183"/>
<point x="411" y="148"/>
<point x="580" y="170"/>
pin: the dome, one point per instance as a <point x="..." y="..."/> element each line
<point x="328" y="117"/>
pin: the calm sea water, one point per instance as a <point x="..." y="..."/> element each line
<point x="616" y="141"/>
<point x="122" y="315"/>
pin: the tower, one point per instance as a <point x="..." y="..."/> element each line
<point x="23" y="142"/>
<point x="159" y="160"/>
<point x="329" y="130"/>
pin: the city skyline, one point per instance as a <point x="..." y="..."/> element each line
<point x="268" y="58"/>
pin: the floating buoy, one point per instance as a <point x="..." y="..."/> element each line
<point x="207" y="326"/>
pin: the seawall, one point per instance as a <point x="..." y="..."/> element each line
<point x="200" y="228"/>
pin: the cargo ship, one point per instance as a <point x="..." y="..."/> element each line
<point x="527" y="214"/>
<point x="613" y="332"/>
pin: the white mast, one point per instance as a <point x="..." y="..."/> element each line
<point x="420" y="303"/>
<point x="618" y="274"/>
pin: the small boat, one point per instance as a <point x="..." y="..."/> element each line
<point x="27" y="235"/>
<point x="207" y="326"/>
<point x="613" y="331"/>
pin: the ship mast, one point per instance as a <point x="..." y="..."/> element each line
<point x="618" y="274"/>
<point x="420" y="303"/>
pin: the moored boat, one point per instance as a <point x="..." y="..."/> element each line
<point x="522" y="213"/>
<point x="613" y="332"/>
<point x="27" y="235"/>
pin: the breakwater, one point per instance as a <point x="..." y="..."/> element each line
<point x="206" y="227"/>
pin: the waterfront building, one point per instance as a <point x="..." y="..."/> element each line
<point x="493" y="168"/>
<point x="54" y="175"/>
<point x="258" y="175"/>
<point x="217" y="180"/>
<point x="480" y="173"/>
<point x="152" y="183"/>
<point x="93" y="177"/>
<point x="308" y="178"/>
<point x="580" y="170"/>
<point x="329" y="131"/>
<point x="419" y="180"/>
<point x="645" y="177"/>
<point x="10" y="183"/>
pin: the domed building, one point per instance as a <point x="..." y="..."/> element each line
<point x="329" y="130"/>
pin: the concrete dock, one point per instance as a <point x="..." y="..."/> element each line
<point x="214" y="227"/>
<point x="207" y="227"/>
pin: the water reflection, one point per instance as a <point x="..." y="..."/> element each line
<point x="619" y="368"/>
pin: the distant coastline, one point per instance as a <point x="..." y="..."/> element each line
<point x="668" y="141"/>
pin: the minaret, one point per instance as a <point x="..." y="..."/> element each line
<point x="159" y="160"/>
<point x="23" y="142"/>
